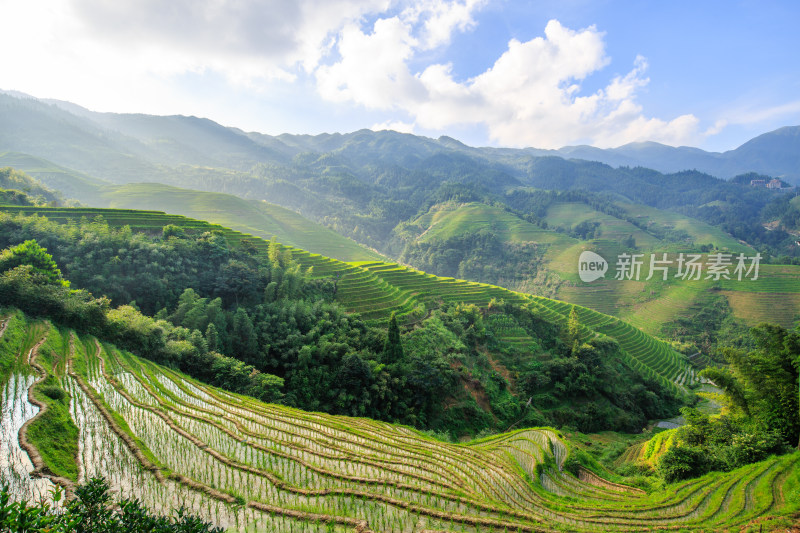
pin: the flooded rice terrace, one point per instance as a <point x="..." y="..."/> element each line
<point x="173" y="442"/>
<point x="102" y="453"/>
<point x="15" y="465"/>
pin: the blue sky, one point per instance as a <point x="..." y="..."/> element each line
<point x="547" y="73"/>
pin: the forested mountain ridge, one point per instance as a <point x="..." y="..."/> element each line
<point x="773" y="153"/>
<point x="363" y="183"/>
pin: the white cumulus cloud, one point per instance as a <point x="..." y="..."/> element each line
<point x="148" y="55"/>
<point x="530" y="96"/>
<point x="198" y="56"/>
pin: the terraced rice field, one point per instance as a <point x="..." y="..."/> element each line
<point x="376" y="289"/>
<point x="673" y="301"/>
<point x="700" y="232"/>
<point x="773" y="297"/>
<point x="775" y="308"/>
<point x="570" y="214"/>
<point x="649" y="355"/>
<point x="648" y="451"/>
<point x="602" y="295"/>
<point x="771" y="279"/>
<point x="507" y="330"/>
<point x="249" y="466"/>
<point x="452" y="219"/>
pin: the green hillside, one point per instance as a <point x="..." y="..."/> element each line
<point x="17" y="188"/>
<point x="649" y="304"/>
<point x="377" y="289"/>
<point x="250" y="216"/>
<point x="699" y="231"/>
<point x="646" y="304"/>
<point x="71" y="183"/>
<point x="258" y="218"/>
<point x="170" y="440"/>
<point x="570" y="214"/>
<point x="451" y="219"/>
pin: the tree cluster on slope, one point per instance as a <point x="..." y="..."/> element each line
<point x="261" y="326"/>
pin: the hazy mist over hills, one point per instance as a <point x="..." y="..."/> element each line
<point x="125" y="147"/>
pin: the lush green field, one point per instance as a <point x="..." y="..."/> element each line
<point x="700" y="232"/>
<point x="570" y="214"/>
<point x="172" y="441"/>
<point x="451" y="219"/>
<point x="774" y="297"/>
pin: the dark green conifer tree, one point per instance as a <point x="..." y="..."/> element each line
<point x="212" y="338"/>
<point x="393" y="349"/>
<point x="244" y="341"/>
<point x="574" y="330"/>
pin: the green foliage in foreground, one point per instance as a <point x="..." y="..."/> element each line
<point x="30" y="253"/>
<point x="763" y="383"/>
<point x="93" y="511"/>
<point x="761" y="392"/>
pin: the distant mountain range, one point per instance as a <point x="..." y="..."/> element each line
<point x="776" y="153"/>
<point x="136" y="147"/>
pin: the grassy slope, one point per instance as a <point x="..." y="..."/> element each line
<point x="449" y="220"/>
<point x="775" y="297"/>
<point x="289" y="467"/>
<point x="249" y="216"/>
<point x="55" y="434"/>
<point x="570" y="214"/>
<point x="71" y="183"/>
<point x="701" y="232"/>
